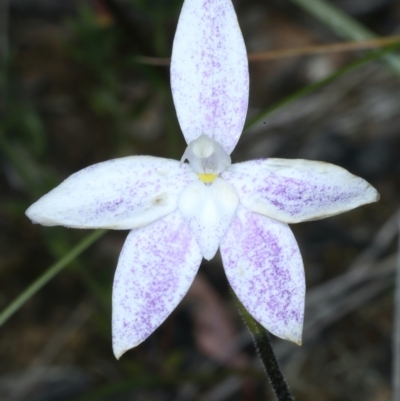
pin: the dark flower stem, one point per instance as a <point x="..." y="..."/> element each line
<point x="263" y="346"/>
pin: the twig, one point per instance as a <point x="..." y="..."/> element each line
<point x="314" y="86"/>
<point x="319" y="298"/>
<point x="344" y="25"/>
<point x="295" y="52"/>
<point x="325" y="49"/>
<point x="156" y="61"/>
<point x="352" y="295"/>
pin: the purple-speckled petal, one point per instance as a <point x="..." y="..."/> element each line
<point x="263" y="264"/>
<point x="209" y="72"/>
<point x="118" y="194"/>
<point x="208" y="210"/>
<point x="155" y="269"/>
<point x="298" y="190"/>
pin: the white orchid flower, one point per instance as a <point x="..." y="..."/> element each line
<point x="179" y="213"/>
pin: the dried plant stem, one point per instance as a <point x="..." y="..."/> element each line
<point x="344" y="25"/>
<point x="260" y="116"/>
<point x="396" y="329"/>
<point x="297" y="51"/>
<point x="268" y="359"/>
<point x="325" y="49"/>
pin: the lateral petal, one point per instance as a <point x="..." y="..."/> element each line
<point x="264" y="267"/>
<point x="209" y="72"/>
<point x="298" y="190"/>
<point x="156" y="267"/>
<point x="208" y="210"/>
<point x="118" y="194"/>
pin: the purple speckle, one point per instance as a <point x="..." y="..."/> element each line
<point x="264" y="267"/>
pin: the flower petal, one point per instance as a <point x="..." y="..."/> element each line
<point x="155" y="269"/>
<point x="298" y="190"/>
<point x="118" y="194"/>
<point x="263" y="264"/>
<point x="208" y="209"/>
<point x="209" y="72"/>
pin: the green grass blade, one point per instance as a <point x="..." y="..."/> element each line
<point x="48" y="275"/>
<point x="344" y="25"/>
<point x="252" y="121"/>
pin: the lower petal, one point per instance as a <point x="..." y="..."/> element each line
<point x="156" y="267"/>
<point x="264" y="267"/>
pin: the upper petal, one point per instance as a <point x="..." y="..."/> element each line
<point x="118" y="194"/>
<point x="208" y="209"/>
<point x="263" y="264"/>
<point x="155" y="269"/>
<point x="209" y="72"/>
<point x="298" y="190"/>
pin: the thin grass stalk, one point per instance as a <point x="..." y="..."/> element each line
<point x="53" y="270"/>
<point x="257" y="118"/>
<point x="396" y="328"/>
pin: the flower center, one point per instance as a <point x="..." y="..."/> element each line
<point x="207" y="178"/>
<point x="207" y="158"/>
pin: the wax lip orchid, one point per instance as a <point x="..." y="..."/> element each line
<point x="179" y="213"/>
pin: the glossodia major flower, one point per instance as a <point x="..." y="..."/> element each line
<point x="180" y="212"/>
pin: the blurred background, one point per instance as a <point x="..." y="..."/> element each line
<point x="86" y="81"/>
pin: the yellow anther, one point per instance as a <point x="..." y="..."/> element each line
<point x="207" y="178"/>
